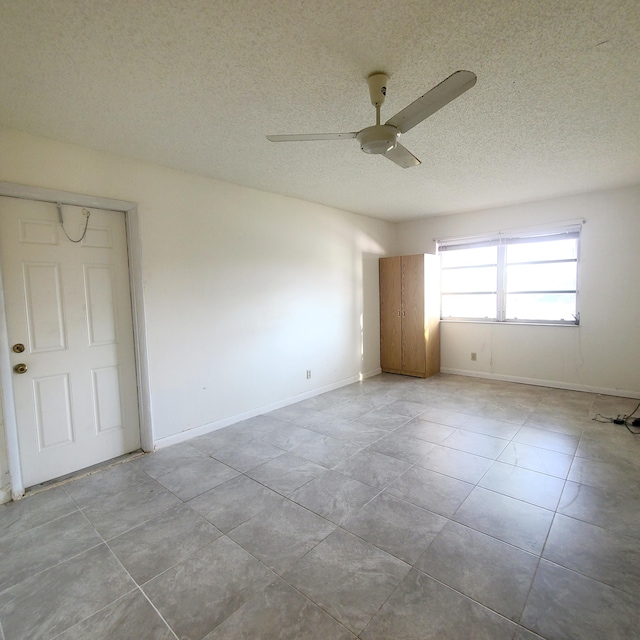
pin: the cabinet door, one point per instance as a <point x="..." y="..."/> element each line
<point x="390" y="319"/>
<point x="413" y="329"/>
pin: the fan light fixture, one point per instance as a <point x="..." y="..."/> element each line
<point x="378" y="139"/>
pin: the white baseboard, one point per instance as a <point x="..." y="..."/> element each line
<point x="622" y="393"/>
<point x="225" y="422"/>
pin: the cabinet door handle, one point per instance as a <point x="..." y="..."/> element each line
<point x="404" y="314"/>
<point x="398" y="314"/>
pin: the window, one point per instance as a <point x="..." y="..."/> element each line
<point x="512" y="278"/>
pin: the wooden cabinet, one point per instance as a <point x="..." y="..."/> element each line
<point x="410" y="315"/>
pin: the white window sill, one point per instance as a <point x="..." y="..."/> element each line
<point x="510" y="323"/>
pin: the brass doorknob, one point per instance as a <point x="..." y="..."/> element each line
<point x="20" y="368"/>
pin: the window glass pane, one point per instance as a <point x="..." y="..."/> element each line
<point x="469" y="257"/>
<point x="541" y="306"/>
<point x="560" y="276"/>
<point x="551" y="250"/>
<point x="469" y="306"/>
<point x="469" y="280"/>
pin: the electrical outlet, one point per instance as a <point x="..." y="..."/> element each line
<point x="308" y="374"/>
<point x="474" y="356"/>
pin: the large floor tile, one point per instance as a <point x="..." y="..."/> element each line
<point x="348" y="431"/>
<point x="372" y="468"/>
<point x="384" y="418"/>
<point x="347" y="577"/>
<point x="619" y="476"/>
<point x="487" y="570"/>
<point x="446" y="417"/>
<point x="612" y="405"/>
<point x="234" y="502"/>
<point x="251" y="454"/>
<point x="122" y="511"/>
<point x="561" y="442"/>
<point x="558" y="419"/>
<point x="173" y="458"/>
<point x="564" y="605"/>
<point x="196" y="477"/>
<point x="491" y="427"/>
<point x="106" y="483"/>
<point x="334" y="495"/>
<point x="552" y="463"/>
<point x="595" y="552"/>
<point x="286" y="473"/>
<point x="577" y="401"/>
<point x="476" y="443"/>
<point x="424" y="609"/>
<point x="431" y="490"/>
<point x="537" y="488"/>
<point x="293" y="413"/>
<point x="34" y="510"/>
<point x="395" y="526"/>
<point x="281" y="535"/>
<point x="279" y="612"/>
<point x="619" y="512"/>
<point x="51" y="602"/>
<point x="288" y="436"/>
<point x="326" y="451"/>
<point x="40" y="548"/>
<point x="219" y="439"/>
<point x="503" y="409"/>
<point x="457" y="464"/>
<point x="402" y="447"/>
<point x="519" y="523"/>
<point x="158" y="544"/>
<point x="460" y="403"/>
<point x="408" y="408"/>
<point x="351" y="409"/>
<point x="425" y="394"/>
<point x="132" y="616"/>
<point x="199" y="593"/>
<point x="616" y="447"/>
<point x="257" y="427"/>
<point x="425" y="430"/>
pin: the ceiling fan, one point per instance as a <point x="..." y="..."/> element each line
<point x="383" y="138"/>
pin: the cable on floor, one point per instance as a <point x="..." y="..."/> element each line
<point x="627" y="420"/>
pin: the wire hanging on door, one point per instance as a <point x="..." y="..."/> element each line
<point x="85" y="212"/>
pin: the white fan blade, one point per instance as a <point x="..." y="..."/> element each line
<point x="303" y="137"/>
<point x="442" y="94"/>
<point x="402" y="157"/>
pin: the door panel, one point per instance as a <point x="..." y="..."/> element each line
<point x="390" y="320"/>
<point x="43" y="305"/>
<point x="69" y="304"/>
<point x="107" y="407"/>
<point x="53" y="411"/>
<point x="101" y="325"/>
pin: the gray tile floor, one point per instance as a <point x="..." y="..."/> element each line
<point x="397" y="508"/>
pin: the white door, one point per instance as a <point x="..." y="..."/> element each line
<point x="69" y="305"/>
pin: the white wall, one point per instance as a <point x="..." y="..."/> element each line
<point x="244" y="290"/>
<point x="603" y="353"/>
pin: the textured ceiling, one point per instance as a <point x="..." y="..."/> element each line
<point x="197" y="84"/>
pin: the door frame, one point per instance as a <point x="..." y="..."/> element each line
<point x="134" y="251"/>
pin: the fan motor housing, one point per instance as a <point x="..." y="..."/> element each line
<point x="379" y="138"/>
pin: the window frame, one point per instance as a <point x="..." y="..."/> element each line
<point x="501" y="241"/>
